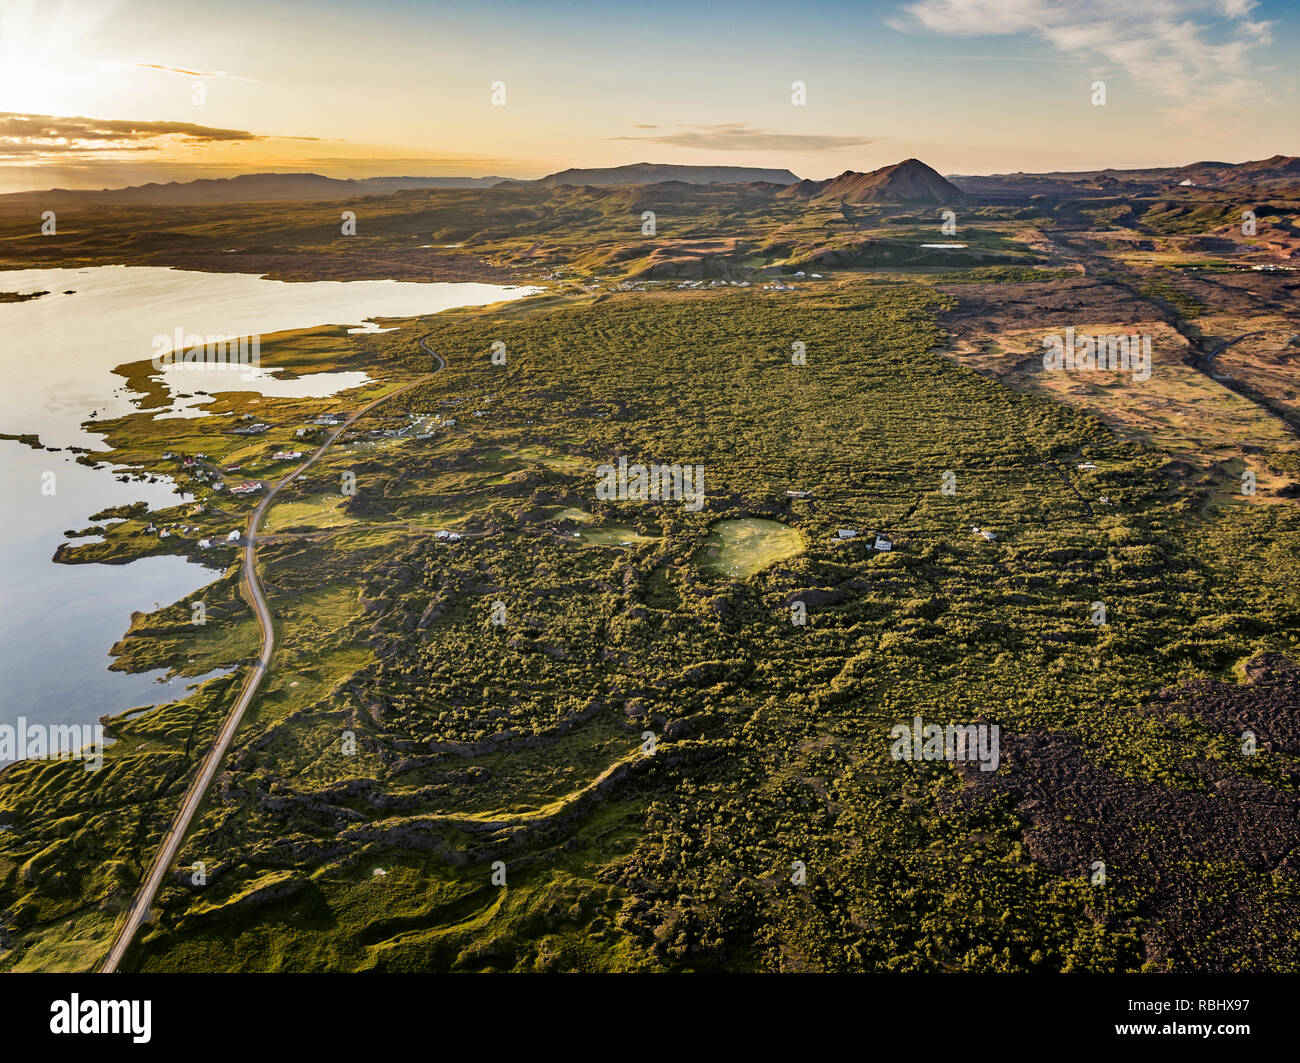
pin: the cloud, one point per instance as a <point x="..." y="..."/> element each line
<point x="739" y="136"/>
<point x="32" y="136"/>
<point x="192" y="73"/>
<point x="1196" y="51"/>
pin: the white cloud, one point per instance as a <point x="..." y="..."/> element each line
<point x="1195" y="51"/>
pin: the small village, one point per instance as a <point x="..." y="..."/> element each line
<point x="250" y="477"/>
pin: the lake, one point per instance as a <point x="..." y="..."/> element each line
<point x="58" y="352"/>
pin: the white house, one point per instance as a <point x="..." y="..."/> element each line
<point x="848" y="533"/>
<point x="233" y="537"/>
<point x="883" y="544"/>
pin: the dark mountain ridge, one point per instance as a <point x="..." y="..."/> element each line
<point x="909" y="181"/>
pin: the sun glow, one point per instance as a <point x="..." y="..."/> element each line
<point x="45" y="65"/>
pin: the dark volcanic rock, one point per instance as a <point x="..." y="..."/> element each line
<point x="1186" y="858"/>
<point x="1268" y="703"/>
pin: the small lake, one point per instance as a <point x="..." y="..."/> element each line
<point x="57" y="622"/>
<point x="60" y="349"/>
<point x="214" y="379"/>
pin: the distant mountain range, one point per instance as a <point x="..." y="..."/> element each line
<point x="645" y="173"/>
<point x="256" y="188"/>
<point x="909" y="181"/>
<point x="271" y="187"/>
<point x="1280" y="171"/>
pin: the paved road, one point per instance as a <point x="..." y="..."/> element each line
<point x="252" y="584"/>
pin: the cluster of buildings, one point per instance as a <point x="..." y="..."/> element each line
<point x="167" y="531"/>
<point x="234" y="537"/>
<point x="419" y="426"/>
<point x="713" y="284"/>
<point x="880" y="543"/>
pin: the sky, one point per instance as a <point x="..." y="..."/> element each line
<point x="107" y="93"/>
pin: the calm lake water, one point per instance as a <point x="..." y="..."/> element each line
<point x="57" y="352"/>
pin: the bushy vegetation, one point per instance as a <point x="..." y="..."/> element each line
<point x="524" y="740"/>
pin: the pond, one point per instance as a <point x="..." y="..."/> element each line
<point x="738" y="549"/>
